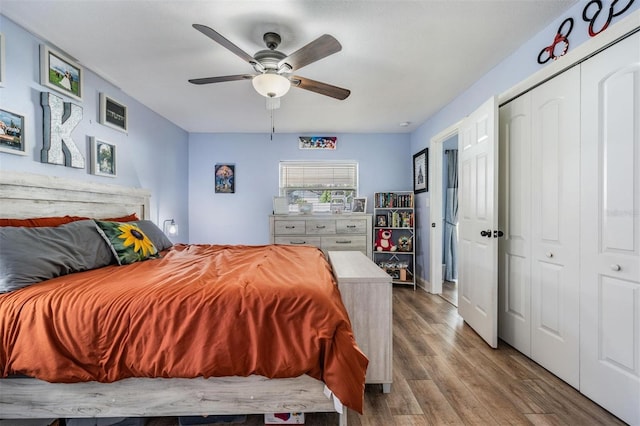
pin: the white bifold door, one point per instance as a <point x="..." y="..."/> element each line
<point x="539" y="263"/>
<point x="569" y="263"/>
<point x="610" y="230"/>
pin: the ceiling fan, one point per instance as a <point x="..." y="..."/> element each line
<point x="274" y="69"/>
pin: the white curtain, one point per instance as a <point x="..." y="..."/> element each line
<point x="451" y="217"/>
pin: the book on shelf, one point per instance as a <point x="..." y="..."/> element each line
<point x="399" y="220"/>
<point x="394" y="200"/>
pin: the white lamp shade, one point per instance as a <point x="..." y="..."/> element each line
<point x="271" y="85"/>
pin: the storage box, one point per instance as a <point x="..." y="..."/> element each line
<point x="284" y="419"/>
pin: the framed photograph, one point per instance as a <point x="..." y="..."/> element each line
<point x="113" y="113"/>
<point x="359" y="205"/>
<point x="421" y="171"/>
<point x="60" y="73"/>
<point x="381" y="220"/>
<point x="225" y="175"/>
<point x="12" y="133"/>
<point x="103" y="158"/>
<point x="317" y="142"/>
<point x="2" y="56"/>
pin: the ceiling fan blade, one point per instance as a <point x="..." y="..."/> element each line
<point x="215" y="36"/>
<point x="321" y="88"/>
<point x="221" y="79"/>
<point x="320" y="48"/>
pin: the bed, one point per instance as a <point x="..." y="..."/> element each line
<point x="182" y="383"/>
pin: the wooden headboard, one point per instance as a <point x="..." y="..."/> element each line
<point x="25" y="195"/>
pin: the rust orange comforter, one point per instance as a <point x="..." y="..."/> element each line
<point x="200" y="310"/>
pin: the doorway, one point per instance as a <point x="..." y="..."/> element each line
<point x="450" y="220"/>
<point x="447" y="139"/>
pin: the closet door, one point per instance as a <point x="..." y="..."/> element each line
<point x="514" y="262"/>
<point x="555" y="231"/>
<point x="610" y="230"/>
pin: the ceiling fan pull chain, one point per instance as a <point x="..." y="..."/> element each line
<point x="273" y="127"/>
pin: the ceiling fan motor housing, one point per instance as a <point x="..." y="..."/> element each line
<point x="272" y="40"/>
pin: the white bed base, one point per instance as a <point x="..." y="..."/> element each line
<point x="25" y="195"/>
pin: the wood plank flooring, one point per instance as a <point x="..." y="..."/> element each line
<point x="445" y="374"/>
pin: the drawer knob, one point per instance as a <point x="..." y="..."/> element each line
<point x="549" y="254"/>
<point x="320" y="226"/>
<point x="343" y="242"/>
<point x="615" y="267"/>
<point x="351" y="226"/>
<point x="290" y="227"/>
<point x="297" y="242"/>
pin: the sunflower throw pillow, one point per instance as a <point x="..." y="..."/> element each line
<point x="127" y="241"/>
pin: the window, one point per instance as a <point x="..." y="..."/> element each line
<point x="322" y="184"/>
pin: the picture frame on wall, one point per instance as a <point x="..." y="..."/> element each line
<point x="60" y="73"/>
<point x="12" y="138"/>
<point x="317" y="142"/>
<point x="421" y="171"/>
<point x="2" y="60"/>
<point x="113" y="113"/>
<point x="225" y="178"/>
<point x="103" y="158"/>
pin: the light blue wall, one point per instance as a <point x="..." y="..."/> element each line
<point x="514" y="69"/>
<point x="242" y="218"/>
<point x="153" y="155"/>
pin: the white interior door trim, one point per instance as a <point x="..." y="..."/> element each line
<point x="435" y="203"/>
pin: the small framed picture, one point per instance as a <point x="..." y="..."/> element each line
<point x="113" y="113"/>
<point x="359" y="205"/>
<point x="381" y="220"/>
<point x="12" y="133"/>
<point x="103" y="158"/>
<point x="2" y="56"/>
<point x="421" y="171"/>
<point x="60" y="73"/>
<point x="225" y="175"/>
<point x="317" y="142"/>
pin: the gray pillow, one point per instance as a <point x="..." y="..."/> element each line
<point x="157" y="237"/>
<point x="31" y="255"/>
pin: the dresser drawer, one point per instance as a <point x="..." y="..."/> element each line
<point x="299" y="241"/>
<point x="351" y="226"/>
<point x="321" y="227"/>
<point x="289" y="227"/>
<point x="345" y="242"/>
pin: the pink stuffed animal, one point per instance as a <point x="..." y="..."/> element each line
<point x="384" y="243"/>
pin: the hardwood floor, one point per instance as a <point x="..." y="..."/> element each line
<point x="450" y="292"/>
<point x="445" y="374"/>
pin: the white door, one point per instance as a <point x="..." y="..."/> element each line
<point x="555" y="231"/>
<point x="514" y="264"/>
<point x="610" y="230"/>
<point x="478" y="219"/>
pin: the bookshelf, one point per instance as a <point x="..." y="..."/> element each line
<point x="394" y="214"/>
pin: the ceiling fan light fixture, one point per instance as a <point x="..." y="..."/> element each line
<point x="271" y="85"/>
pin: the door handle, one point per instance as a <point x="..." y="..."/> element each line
<point x="484" y="233"/>
<point x="498" y="234"/>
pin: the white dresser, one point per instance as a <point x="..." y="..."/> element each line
<point x="335" y="232"/>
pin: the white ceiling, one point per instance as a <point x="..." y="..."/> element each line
<point x="402" y="60"/>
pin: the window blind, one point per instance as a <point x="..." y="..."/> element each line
<point x="318" y="175"/>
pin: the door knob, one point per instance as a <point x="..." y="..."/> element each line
<point x="484" y="233"/>
<point x="497" y="234"/>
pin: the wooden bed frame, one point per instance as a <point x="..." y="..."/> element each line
<point x="27" y="195"/>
